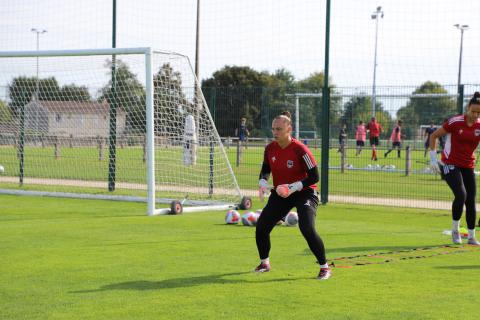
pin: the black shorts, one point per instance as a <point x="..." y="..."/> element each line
<point x="360" y="143"/>
<point x="278" y="207"/>
<point x="374" y="141"/>
<point x="397" y="144"/>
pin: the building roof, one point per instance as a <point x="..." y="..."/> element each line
<point x="76" y="107"/>
<point x="9" y="127"/>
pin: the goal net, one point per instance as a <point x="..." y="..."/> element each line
<point x="129" y="124"/>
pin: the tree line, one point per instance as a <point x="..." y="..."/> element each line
<point x="128" y="93"/>
<point x="233" y="92"/>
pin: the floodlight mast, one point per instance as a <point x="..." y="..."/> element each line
<point x="376" y="15"/>
<point x="38" y="33"/>
<point x="462" y="28"/>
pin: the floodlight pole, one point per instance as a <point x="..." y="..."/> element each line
<point x="197" y="84"/>
<point x="462" y="28"/>
<point x="38" y="33"/>
<point x="297" y="97"/>
<point x="325" y="124"/>
<point x="375" y="16"/>
<point x="112" y="134"/>
<point x="197" y="42"/>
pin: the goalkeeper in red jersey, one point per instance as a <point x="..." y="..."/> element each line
<point x="295" y="174"/>
<point x="462" y="134"/>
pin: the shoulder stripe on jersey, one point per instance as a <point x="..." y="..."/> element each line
<point x="456" y="119"/>
<point x="308" y="161"/>
<point x="448" y="146"/>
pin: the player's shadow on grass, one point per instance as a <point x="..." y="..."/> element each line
<point x="459" y="267"/>
<point x="143" y="285"/>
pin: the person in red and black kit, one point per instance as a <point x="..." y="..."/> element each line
<point x="295" y="174"/>
<point x="462" y="134"/>
<point x="374" y="128"/>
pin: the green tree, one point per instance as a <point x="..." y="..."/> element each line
<point x="5" y="114"/>
<point x="275" y="99"/>
<point x="23" y="89"/>
<point x="423" y="109"/>
<point x="170" y="101"/>
<point x="130" y="95"/>
<point x="311" y="108"/>
<point x="72" y="92"/>
<point x="238" y="92"/>
<point x="281" y="78"/>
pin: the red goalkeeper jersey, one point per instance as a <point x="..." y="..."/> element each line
<point x="290" y="164"/>
<point x="461" y="142"/>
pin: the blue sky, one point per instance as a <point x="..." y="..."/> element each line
<point x="416" y="39"/>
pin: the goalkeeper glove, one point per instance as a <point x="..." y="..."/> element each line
<point x="285" y="190"/>
<point x="263" y="189"/>
<point x="434" y="163"/>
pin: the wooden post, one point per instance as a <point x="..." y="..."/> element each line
<point x="342" y="158"/>
<point x="100" y="148"/>
<point x="144" y="145"/>
<point x="57" y="147"/>
<point x="16" y="145"/>
<point x="408" y="161"/>
<point x="239" y="153"/>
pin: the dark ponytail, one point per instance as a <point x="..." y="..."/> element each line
<point x="289" y="115"/>
<point x="475" y="99"/>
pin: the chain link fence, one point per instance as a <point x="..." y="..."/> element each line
<point x="400" y="176"/>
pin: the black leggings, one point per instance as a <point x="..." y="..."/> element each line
<point x="306" y="202"/>
<point x="464" y="188"/>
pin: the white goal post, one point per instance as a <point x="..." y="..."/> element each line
<point x="130" y="120"/>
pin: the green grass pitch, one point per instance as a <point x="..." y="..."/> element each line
<point x="85" y="259"/>
<point x="82" y="163"/>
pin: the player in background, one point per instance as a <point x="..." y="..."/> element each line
<point x="462" y="134"/>
<point x="396" y="138"/>
<point x="295" y="174"/>
<point x="242" y="132"/>
<point x="374" y="128"/>
<point x="360" y="137"/>
<point x="426" y="135"/>
<point x="342" y="137"/>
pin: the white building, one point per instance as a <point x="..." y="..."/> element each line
<point x="71" y="118"/>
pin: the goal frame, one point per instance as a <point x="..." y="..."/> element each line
<point x="151" y="200"/>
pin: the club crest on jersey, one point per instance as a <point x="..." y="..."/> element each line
<point x="289" y="164"/>
<point x="477" y="132"/>
<point x="460" y="131"/>
<point x="273" y="159"/>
